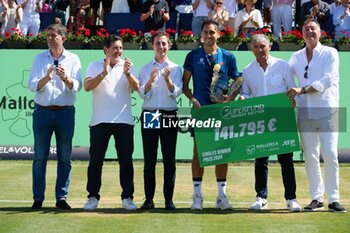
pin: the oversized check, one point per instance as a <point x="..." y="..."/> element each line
<point x="241" y="130"/>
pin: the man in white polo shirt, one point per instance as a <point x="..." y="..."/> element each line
<point x="111" y="81"/>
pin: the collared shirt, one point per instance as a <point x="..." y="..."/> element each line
<point x="323" y="75"/>
<point x="55" y="91"/>
<point x="277" y="78"/>
<point x="243" y="15"/>
<point x="159" y="96"/>
<point x="111" y="99"/>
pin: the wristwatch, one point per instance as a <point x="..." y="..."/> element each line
<point x="303" y="90"/>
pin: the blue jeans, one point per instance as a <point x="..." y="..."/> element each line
<point x="197" y="24"/>
<point x="45" y="123"/>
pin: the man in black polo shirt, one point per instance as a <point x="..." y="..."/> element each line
<point x="155" y="13"/>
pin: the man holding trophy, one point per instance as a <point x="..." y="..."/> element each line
<point x="211" y="69"/>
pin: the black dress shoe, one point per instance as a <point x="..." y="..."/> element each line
<point x="62" y="204"/>
<point x="147" y="205"/>
<point x="169" y="205"/>
<point x="37" y="205"/>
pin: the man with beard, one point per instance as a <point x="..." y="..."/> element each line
<point x="111" y="81"/>
<point x="199" y="65"/>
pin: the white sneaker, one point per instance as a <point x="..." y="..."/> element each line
<point x="91" y="204"/>
<point x="293" y="205"/>
<point x="259" y="204"/>
<point x="197" y="202"/>
<point x="222" y="203"/>
<point x="129" y="204"/>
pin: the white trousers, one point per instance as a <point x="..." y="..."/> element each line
<point x="317" y="136"/>
<point x="281" y="15"/>
<point x="31" y="27"/>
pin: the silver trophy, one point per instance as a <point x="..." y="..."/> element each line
<point x="221" y="90"/>
<point x="217" y="87"/>
<point x="234" y="89"/>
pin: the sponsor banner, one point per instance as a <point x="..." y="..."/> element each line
<point x="25" y="152"/>
<point x="242" y="130"/>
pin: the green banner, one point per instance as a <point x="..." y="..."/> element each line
<point x="242" y="130"/>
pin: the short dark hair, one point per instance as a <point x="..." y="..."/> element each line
<point x="110" y="39"/>
<point x="62" y="30"/>
<point x="159" y="34"/>
<point x="210" y="21"/>
<point x="311" y="20"/>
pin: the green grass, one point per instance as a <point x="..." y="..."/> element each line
<point x="16" y="215"/>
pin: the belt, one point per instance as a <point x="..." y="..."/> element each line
<point x="53" y="107"/>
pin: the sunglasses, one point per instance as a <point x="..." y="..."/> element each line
<point x="219" y="3"/>
<point x="305" y="73"/>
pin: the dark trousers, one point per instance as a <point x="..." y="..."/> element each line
<point x="288" y="176"/>
<point x="124" y="144"/>
<point x="150" y="138"/>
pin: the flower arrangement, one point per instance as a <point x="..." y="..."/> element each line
<point x="228" y="36"/>
<point x="40" y="38"/>
<point x="171" y="34"/>
<point x="326" y="38"/>
<point x="294" y="36"/>
<point x="343" y="39"/>
<point x="82" y="35"/>
<point x="243" y="38"/>
<point x="15" y="35"/>
<point x="187" y="36"/>
<point x="130" y="35"/>
<point x="148" y="36"/>
<point x="99" y="36"/>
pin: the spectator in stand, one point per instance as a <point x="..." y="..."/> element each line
<point x="201" y="10"/>
<point x="31" y="19"/>
<point x="183" y="6"/>
<point x="333" y="5"/>
<point x="95" y="4"/>
<point x="315" y="9"/>
<point x="11" y="17"/>
<point x="155" y="15"/>
<point x="231" y="7"/>
<point x="59" y="7"/>
<point x="79" y="10"/>
<point x="135" y="6"/>
<point x="45" y="8"/>
<point x="282" y="15"/>
<point x="267" y="12"/>
<point x="341" y="19"/>
<point x="249" y="19"/>
<point x="219" y="14"/>
<point x="120" y="6"/>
